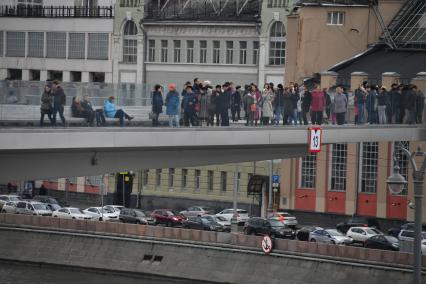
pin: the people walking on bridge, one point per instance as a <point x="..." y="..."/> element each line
<point x="360" y="97"/>
<point x="395" y="97"/>
<point x="59" y="100"/>
<point x="172" y="106"/>
<point x="267" y="111"/>
<point x="203" y="111"/>
<point x="250" y="102"/>
<point x="236" y="101"/>
<point x="157" y="104"/>
<point x="112" y="112"/>
<point x="340" y="105"/>
<point x="188" y="106"/>
<point x="371" y="104"/>
<point x="46" y="105"/>
<point x="278" y="104"/>
<point x="223" y="104"/>
<point x="212" y="106"/>
<point x="382" y="102"/>
<point x="306" y="105"/>
<point x="317" y="105"/>
<point x="409" y="99"/>
<point x="420" y="103"/>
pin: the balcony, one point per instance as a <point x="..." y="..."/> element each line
<point x="57" y="11"/>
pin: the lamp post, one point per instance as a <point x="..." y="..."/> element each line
<point x="396" y="183"/>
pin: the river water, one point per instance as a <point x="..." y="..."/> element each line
<point x="19" y="273"/>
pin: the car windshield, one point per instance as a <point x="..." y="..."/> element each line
<point x="75" y="211"/>
<point x="108" y="210"/>
<point x="372" y="231"/>
<point x="172" y="212"/>
<point x="334" y="233"/>
<point x="14" y="198"/>
<point x="220" y="218"/>
<point x="39" y="206"/>
<point x="140" y="213"/>
<point x="391" y="239"/>
<point x="275" y="223"/>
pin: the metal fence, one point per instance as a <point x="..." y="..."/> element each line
<point x="29" y="93"/>
<point x="57" y="11"/>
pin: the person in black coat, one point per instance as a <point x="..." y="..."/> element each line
<point x="157" y="104"/>
<point x="306" y="105"/>
<point x="420" y="104"/>
<point x="409" y="99"/>
<point x="222" y="105"/>
<point x="59" y="100"/>
<point x="236" y="102"/>
<point x="188" y="106"/>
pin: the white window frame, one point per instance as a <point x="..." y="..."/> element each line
<point x="145" y="177"/>
<point x="197" y="179"/>
<point x="151" y="50"/>
<point x="368" y="169"/>
<point x="402" y="161"/>
<point x="130" y="43"/>
<point x="229" y="52"/>
<point x="223" y="181"/>
<point x="190" y="51"/>
<point x="98" y="46"/>
<point x="171" y="180"/>
<point x="19" y="40"/>
<point x="203" y="52"/>
<point x="158" y="174"/>
<point x="243" y="53"/>
<point x="210" y="181"/>
<point x="164" y="47"/>
<point x="177" y="51"/>
<point x="216" y="52"/>
<point x="338" y="167"/>
<point x="256" y="47"/>
<point x="335" y="18"/>
<point x="35" y="44"/>
<point x="308" y="164"/>
<point x="73" y="43"/>
<point x="184" y="179"/>
<point x="277" y="44"/>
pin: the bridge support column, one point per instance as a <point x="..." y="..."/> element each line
<point x="389" y="78"/>
<point x="328" y="79"/>
<point x="357" y="78"/>
<point x="352" y="180"/>
<point x="382" y="173"/>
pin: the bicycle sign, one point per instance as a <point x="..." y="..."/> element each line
<point x="315" y="138"/>
<point x="267" y="244"/>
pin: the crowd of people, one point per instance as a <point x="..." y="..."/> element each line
<point x="201" y="104"/>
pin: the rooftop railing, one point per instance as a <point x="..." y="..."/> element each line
<point x="57" y="11"/>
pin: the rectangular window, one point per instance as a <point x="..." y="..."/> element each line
<point x="56" y="45"/>
<point x="210" y="180"/>
<point x="171" y="177"/>
<point x="184" y="178"/>
<point x="189" y="51"/>
<point x="402" y="160"/>
<point x="277" y="52"/>
<point x="97" y="77"/>
<point x="339" y="155"/>
<point x="151" y="50"/>
<point x="1" y="43"/>
<point x="255" y="52"/>
<point x="35" y="44"/>
<point x="197" y="180"/>
<point x="75" y="76"/>
<point x="34" y="75"/>
<point x="308" y="171"/>
<point x="164" y="50"/>
<point x="216" y="52"/>
<point x="76" y="45"/>
<point x="145" y="177"/>
<point x="238" y="181"/>
<point x="98" y="45"/>
<point x="203" y="51"/>
<point x="243" y="52"/>
<point x="229" y="52"/>
<point x="335" y="18"/>
<point x="176" y="51"/>
<point x="158" y="177"/>
<point x="130" y="50"/>
<point x="15" y="44"/>
<point x="223" y="181"/>
<point x="370" y="155"/>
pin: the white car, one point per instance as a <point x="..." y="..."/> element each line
<point x="242" y="215"/>
<point x="361" y="234"/>
<point x="408" y="235"/>
<point x="32" y="208"/>
<point x="331" y="236"/>
<point x="97" y="213"/>
<point x="71" y="213"/>
<point x="196" y="211"/>
<point x="114" y="208"/>
<point x="9" y="207"/>
<point x="284" y="217"/>
<point x="7" y="198"/>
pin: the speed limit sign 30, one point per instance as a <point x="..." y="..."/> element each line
<point x="315" y="136"/>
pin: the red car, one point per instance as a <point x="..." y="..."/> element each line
<point x="167" y="217"/>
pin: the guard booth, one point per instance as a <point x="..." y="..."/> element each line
<point x="124" y="186"/>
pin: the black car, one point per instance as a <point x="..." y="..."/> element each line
<point x="201" y="223"/>
<point x="270" y="227"/>
<point x="135" y="216"/>
<point x="382" y="242"/>
<point x="357" y="222"/>
<point x="394" y="232"/>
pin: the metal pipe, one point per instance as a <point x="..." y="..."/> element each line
<point x="270" y="188"/>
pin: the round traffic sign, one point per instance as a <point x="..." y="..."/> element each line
<point x="267" y="244"/>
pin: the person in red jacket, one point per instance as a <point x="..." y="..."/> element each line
<point x="317" y="105"/>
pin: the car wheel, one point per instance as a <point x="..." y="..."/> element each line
<point x="56" y="216"/>
<point x="73" y="218"/>
<point x="3" y="211"/>
<point x="138" y="222"/>
<point x="313" y="240"/>
<point x="100" y="218"/>
<point x="333" y="242"/>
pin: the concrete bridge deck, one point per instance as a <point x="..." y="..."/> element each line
<point x="91" y="151"/>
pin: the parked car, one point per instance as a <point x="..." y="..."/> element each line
<point x="330" y="236"/>
<point x="9" y="207"/>
<point x="304" y="233"/>
<point x="196" y="211"/>
<point x="357" y="222"/>
<point x="201" y="223"/>
<point x="71" y="213"/>
<point x="114" y="208"/>
<point x="101" y="214"/>
<point x="382" y="242"/>
<point x="242" y="215"/>
<point x="270" y="227"/>
<point x="226" y="225"/>
<point x="407" y="226"/>
<point x="7" y="198"/>
<point x="32" y="208"/>
<point x="45" y="199"/>
<point x="361" y="234"/>
<point x="408" y="235"/>
<point x="167" y="217"/>
<point x="284" y="217"/>
<point x="135" y="216"/>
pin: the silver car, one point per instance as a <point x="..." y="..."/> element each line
<point x="7" y="198"/>
<point x="195" y="211"/>
<point x="330" y="236"/>
<point x="32" y="208"/>
<point x="9" y="207"/>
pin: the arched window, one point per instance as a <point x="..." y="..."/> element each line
<point x="130" y="43"/>
<point x="277" y="39"/>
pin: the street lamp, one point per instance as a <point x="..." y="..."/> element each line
<point x="396" y="184"/>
